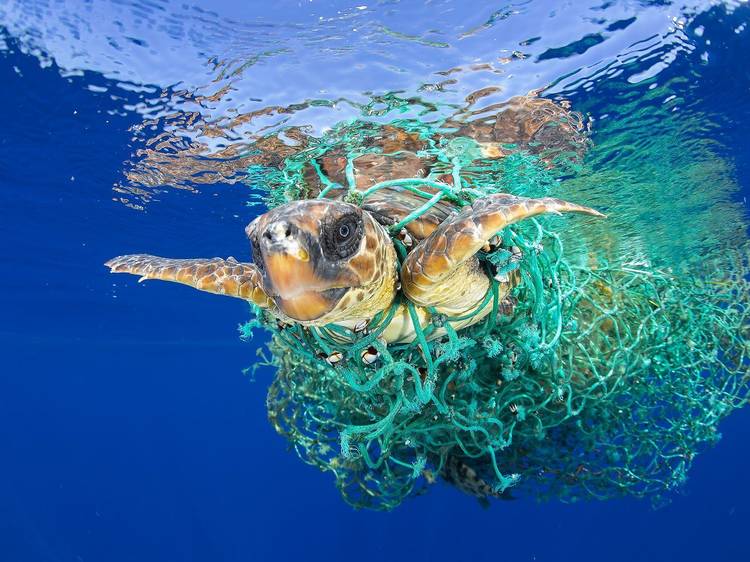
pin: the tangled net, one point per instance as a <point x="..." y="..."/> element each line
<point x="605" y="380"/>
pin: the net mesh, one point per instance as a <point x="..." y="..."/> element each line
<point x="604" y="378"/>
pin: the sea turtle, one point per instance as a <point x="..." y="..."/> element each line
<point x="321" y="261"/>
<point x="327" y="261"/>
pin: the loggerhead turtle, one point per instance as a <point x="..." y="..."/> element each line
<point x="322" y="261"/>
<point x="325" y="261"/>
<point x="319" y="261"/>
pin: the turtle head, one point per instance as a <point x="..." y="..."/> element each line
<point x="324" y="261"/>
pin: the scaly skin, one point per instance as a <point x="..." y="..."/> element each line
<point x="428" y="276"/>
<point x="214" y="275"/>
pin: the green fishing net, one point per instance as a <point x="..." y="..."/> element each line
<point x="599" y="376"/>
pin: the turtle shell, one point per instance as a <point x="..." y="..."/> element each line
<point x="396" y="158"/>
<point x="529" y="123"/>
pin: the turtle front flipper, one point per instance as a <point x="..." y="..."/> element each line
<point x="442" y="271"/>
<point x="214" y="275"/>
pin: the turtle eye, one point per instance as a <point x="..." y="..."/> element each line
<point x="342" y="236"/>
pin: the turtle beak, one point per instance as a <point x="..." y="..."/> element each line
<point x="290" y="275"/>
<point x="287" y="261"/>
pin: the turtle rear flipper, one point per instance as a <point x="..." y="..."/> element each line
<point x="439" y="271"/>
<point x="214" y="275"/>
<point x="463" y="476"/>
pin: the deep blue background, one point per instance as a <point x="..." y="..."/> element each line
<point x="129" y="433"/>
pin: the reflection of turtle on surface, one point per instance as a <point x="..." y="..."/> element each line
<point x="389" y="239"/>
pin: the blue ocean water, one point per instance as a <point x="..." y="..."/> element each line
<point x="129" y="431"/>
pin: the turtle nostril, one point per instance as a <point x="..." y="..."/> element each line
<point x="279" y="232"/>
